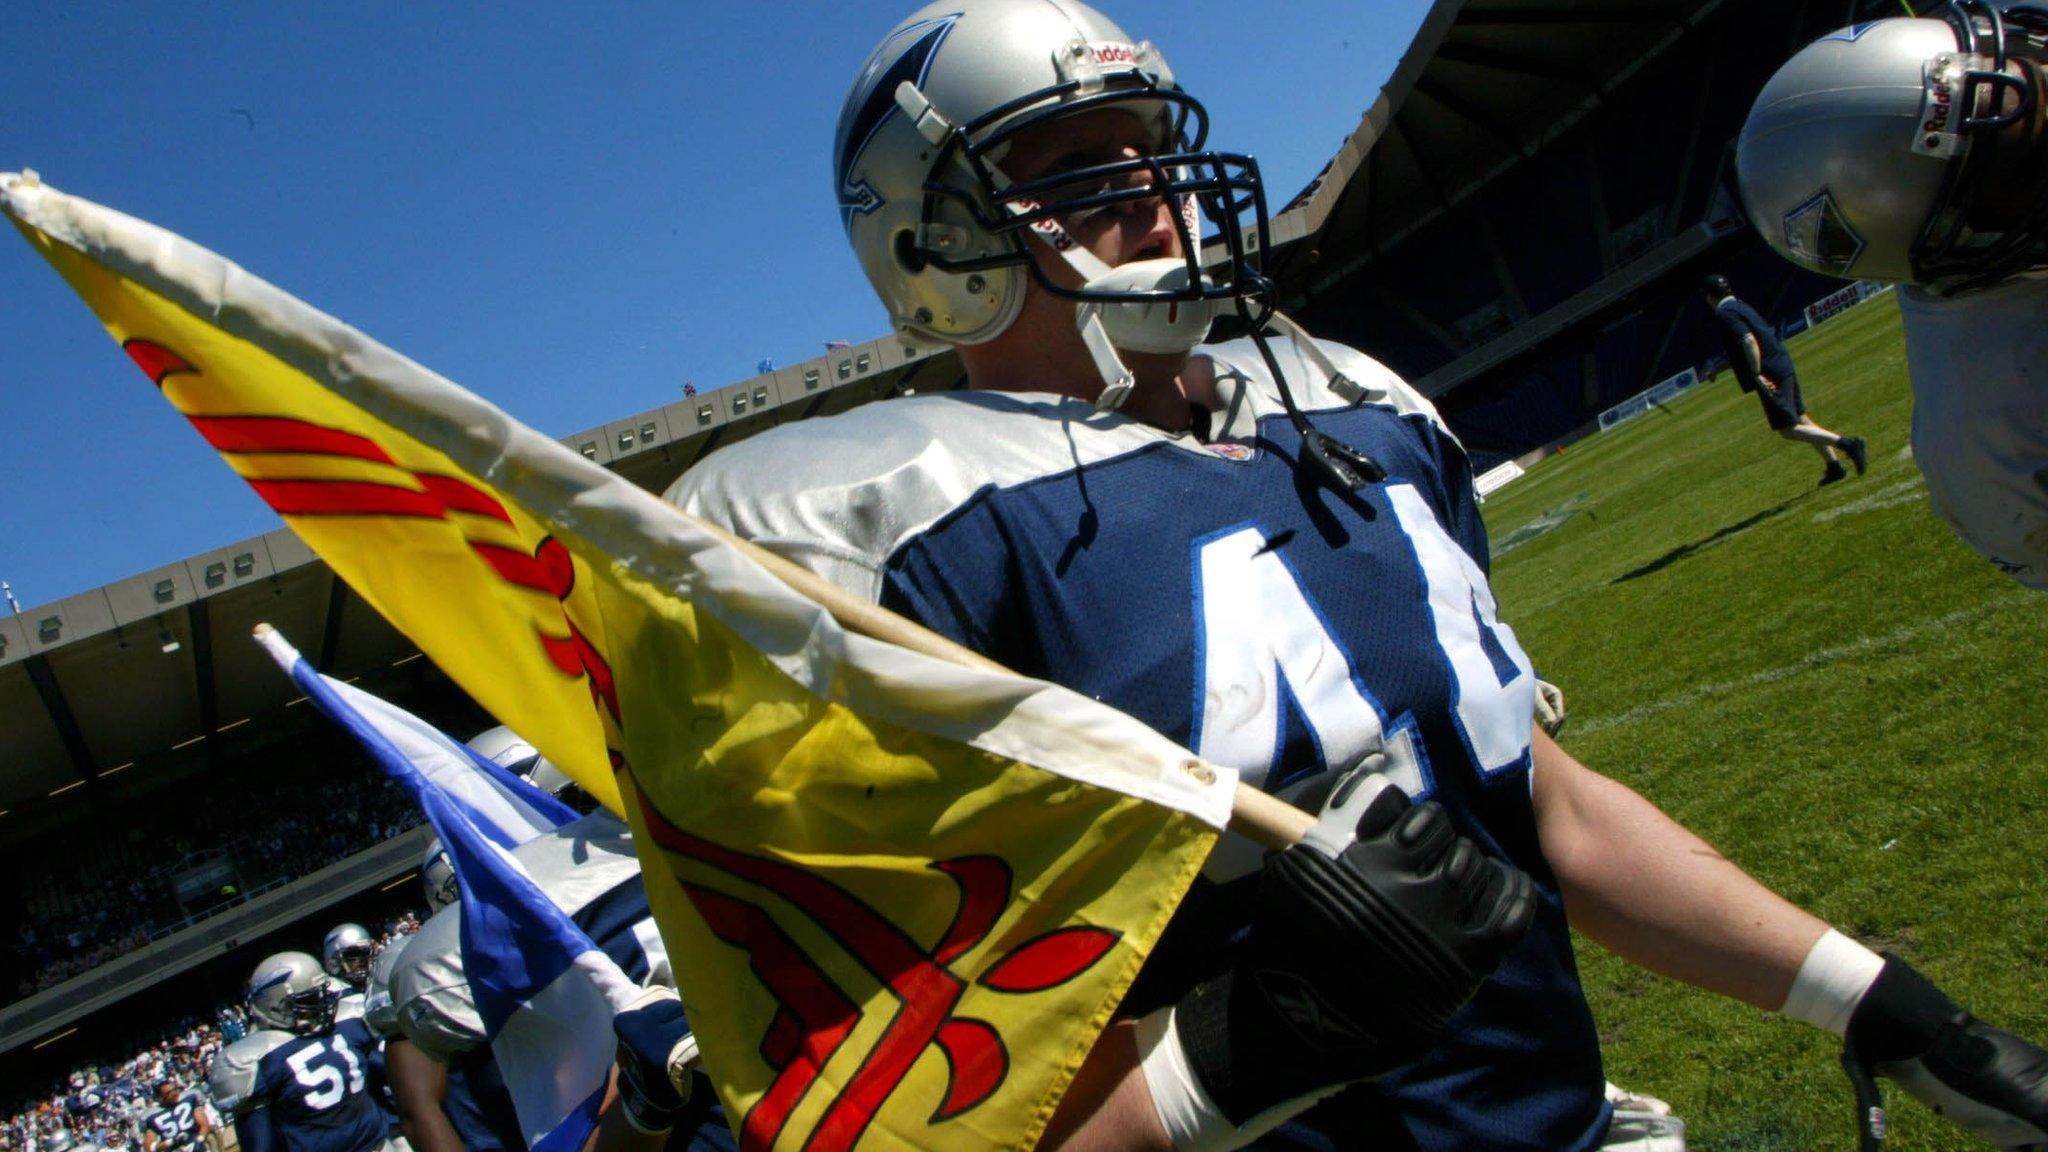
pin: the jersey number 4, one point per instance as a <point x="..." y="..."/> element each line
<point x="327" y="1081"/>
<point x="1264" y="641"/>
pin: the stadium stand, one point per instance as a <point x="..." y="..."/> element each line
<point x="1518" y="224"/>
<point x="162" y="864"/>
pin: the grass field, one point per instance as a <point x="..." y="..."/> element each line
<point x="1823" y="682"/>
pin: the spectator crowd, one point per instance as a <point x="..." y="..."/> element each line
<point x="104" y="1105"/>
<point x="89" y="892"/>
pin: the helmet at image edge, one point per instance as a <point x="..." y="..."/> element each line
<point x="1861" y="157"/>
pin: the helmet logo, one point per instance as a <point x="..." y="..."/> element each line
<point x="1820" y="237"/>
<point x="269" y="980"/>
<point x="1851" y="34"/>
<point x="1936" y="134"/>
<point x="907" y="55"/>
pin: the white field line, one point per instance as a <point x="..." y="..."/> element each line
<point x="1861" y="646"/>
<point x="1889" y="496"/>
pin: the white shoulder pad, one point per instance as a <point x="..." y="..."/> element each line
<point x="839" y="494"/>
<point x="431" y="1001"/>
<point x="232" y="1078"/>
<point x="1260" y="396"/>
<point x="582" y="860"/>
<point x="380" y="1010"/>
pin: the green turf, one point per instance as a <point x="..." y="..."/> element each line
<point x="1827" y="685"/>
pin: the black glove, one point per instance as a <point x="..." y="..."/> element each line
<point x="655" y="1053"/>
<point x="1359" y="954"/>
<point x="1984" y="1079"/>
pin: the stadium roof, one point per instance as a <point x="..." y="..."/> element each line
<point x="1483" y="86"/>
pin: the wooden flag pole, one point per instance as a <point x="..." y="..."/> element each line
<point x="1261" y="818"/>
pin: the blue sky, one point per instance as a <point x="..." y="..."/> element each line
<point x="572" y="210"/>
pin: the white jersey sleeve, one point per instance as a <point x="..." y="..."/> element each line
<point x="1979" y="364"/>
<point x="380" y="1011"/>
<point x="231" y="1081"/>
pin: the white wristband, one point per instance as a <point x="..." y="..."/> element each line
<point x="1832" y="982"/>
<point x="1191" y="1118"/>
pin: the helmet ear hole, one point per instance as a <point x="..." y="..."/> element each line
<point x="906" y="251"/>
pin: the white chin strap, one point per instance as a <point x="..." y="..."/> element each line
<point x="1158" y="326"/>
<point x="1170" y="326"/>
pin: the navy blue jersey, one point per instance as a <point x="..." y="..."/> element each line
<point x="1737" y="320"/>
<point x="178" y="1125"/>
<point x="1217" y="593"/>
<point x="314" y="1092"/>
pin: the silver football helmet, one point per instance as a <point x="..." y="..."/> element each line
<point x="1864" y="156"/>
<point x="346" y="953"/>
<point x="438" y="874"/>
<point x="290" y="992"/>
<point x="510" y="751"/>
<point x="505" y="748"/>
<point x="941" y="230"/>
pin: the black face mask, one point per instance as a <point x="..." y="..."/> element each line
<point x="1960" y="248"/>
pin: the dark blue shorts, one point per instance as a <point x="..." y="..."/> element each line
<point x="1783" y="408"/>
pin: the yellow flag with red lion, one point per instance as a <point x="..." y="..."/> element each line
<point x="902" y="897"/>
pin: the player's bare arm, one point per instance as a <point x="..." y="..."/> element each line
<point x="418" y="1084"/>
<point x="1644" y="887"/>
<point x="1753" y="355"/>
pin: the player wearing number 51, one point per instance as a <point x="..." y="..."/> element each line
<point x="298" y="1083"/>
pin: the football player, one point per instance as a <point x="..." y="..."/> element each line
<point x="438" y="1109"/>
<point x="589" y="868"/>
<point x="439" y="877"/>
<point x="506" y="749"/>
<point x="300" y="1083"/>
<point x="179" y="1121"/>
<point x="345" y="953"/>
<point x="1271" y="552"/>
<point x="1916" y="151"/>
<point x="1763" y="366"/>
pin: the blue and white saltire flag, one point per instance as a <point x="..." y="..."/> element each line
<point x="545" y="992"/>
